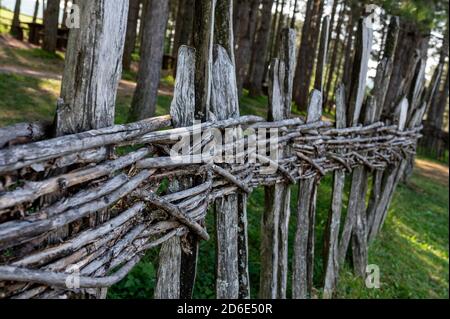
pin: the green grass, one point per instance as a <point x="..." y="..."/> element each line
<point x="411" y="251"/>
<point x="6" y="17"/>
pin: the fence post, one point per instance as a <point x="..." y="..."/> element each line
<point x="275" y="220"/>
<point x="175" y="277"/>
<point x="331" y="242"/>
<point x="356" y="98"/>
<point x="381" y="84"/>
<point x="302" y="269"/>
<point x="232" y="280"/>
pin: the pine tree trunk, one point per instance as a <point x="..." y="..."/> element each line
<point x="16" y="31"/>
<point x="36" y="10"/>
<point x="130" y="38"/>
<point x="334" y="57"/>
<point x="307" y="53"/>
<point x="260" y="48"/>
<point x="247" y="20"/>
<point x="294" y="12"/>
<point x="411" y="41"/>
<point x="279" y="28"/>
<point x="51" y="25"/>
<point x="145" y="96"/>
<point x="183" y="25"/>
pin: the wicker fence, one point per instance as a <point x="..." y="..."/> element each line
<point x="101" y="193"/>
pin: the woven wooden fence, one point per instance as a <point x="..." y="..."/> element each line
<point x="102" y="191"/>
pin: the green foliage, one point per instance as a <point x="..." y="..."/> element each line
<point x="426" y="13"/>
<point x="139" y="283"/>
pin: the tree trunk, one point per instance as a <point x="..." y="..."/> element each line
<point x="66" y="3"/>
<point x="280" y="27"/>
<point x="145" y="96"/>
<point x="334" y="63"/>
<point x="51" y="25"/>
<point x="273" y="30"/>
<point x="16" y="31"/>
<point x="307" y="52"/>
<point x="36" y="10"/>
<point x="353" y="16"/>
<point x="260" y="50"/>
<point x="183" y="25"/>
<point x="247" y="20"/>
<point x="435" y="114"/>
<point x="130" y="38"/>
<point x="412" y="46"/>
<point x="294" y="12"/>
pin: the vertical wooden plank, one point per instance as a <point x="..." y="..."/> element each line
<point x="334" y="219"/>
<point x="357" y="92"/>
<point x="168" y="282"/>
<point x="389" y="178"/>
<point x="232" y="279"/>
<point x="302" y="269"/>
<point x="273" y="197"/>
<point x="381" y="84"/>
<point x="224" y="104"/>
<point x="288" y="56"/>
<point x="94" y="54"/>
<point x="323" y="54"/>
<point x="275" y="220"/>
<point x="176" y="272"/>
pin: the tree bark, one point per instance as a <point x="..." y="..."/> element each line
<point x="130" y="37"/>
<point x="145" y="96"/>
<point x="260" y="48"/>
<point x="51" y="25"/>
<point x="412" y="46"/>
<point x="16" y="31"/>
<point x="247" y="20"/>
<point x="334" y="62"/>
<point x="307" y="52"/>
<point x="183" y="25"/>
<point x="36" y="10"/>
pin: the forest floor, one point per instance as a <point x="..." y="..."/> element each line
<point x="412" y="250"/>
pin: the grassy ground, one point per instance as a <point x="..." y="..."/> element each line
<point x="411" y="251"/>
<point x="6" y="17"/>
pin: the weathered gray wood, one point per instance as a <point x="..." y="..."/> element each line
<point x="356" y="98"/>
<point x="224" y="104"/>
<point x="28" y="230"/>
<point x="389" y="179"/>
<point x="381" y="85"/>
<point x="22" y="133"/>
<point x="25" y="155"/>
<point x="170" y="283"/>
<point x="34" y="190"/>
<point x="359" y="76"/>
<point x="274" y="231"/>
<point x="92" y="71"/>
<point x="94" y="54"/>
<point x="302" y="269"/>
<point x="331" y="250"/>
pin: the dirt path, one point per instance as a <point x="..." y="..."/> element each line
<point x="435" y="171"/>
